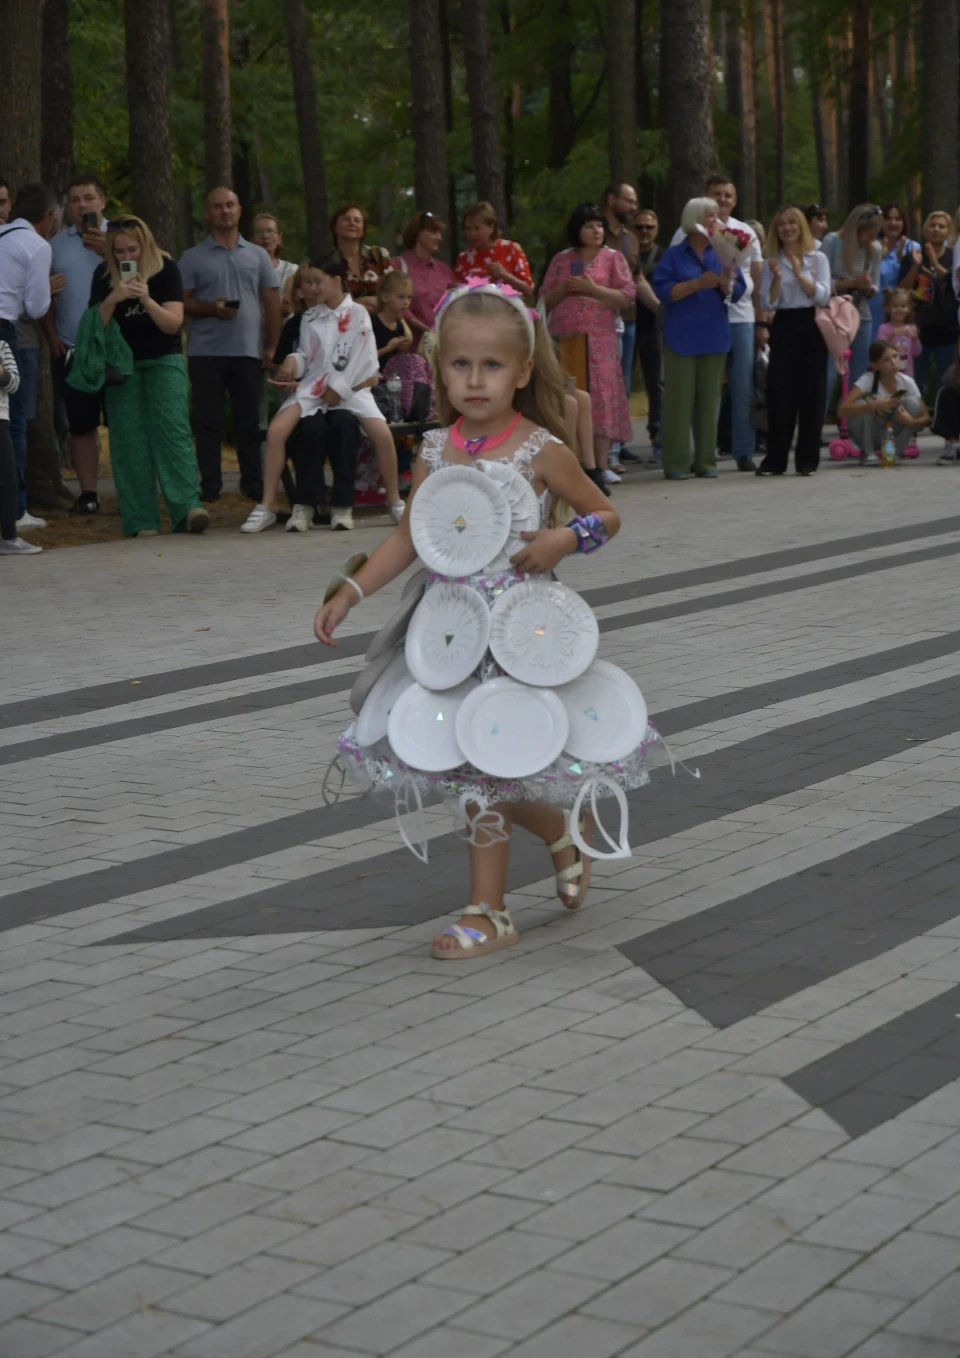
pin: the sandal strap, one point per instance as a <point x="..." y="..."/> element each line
<point x="571" y="873"/>
<point x="467" y="938"/>
<point x="499" y="918"/>
<point x="564" y="842"/>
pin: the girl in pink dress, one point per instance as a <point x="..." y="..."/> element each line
<point x="584" y="288"/>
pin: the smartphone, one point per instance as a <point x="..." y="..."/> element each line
<point x="128" y="268"/>
<point x="234" y="304"/>
<point x="89" y="221"/>
<point x="577" y="267"/>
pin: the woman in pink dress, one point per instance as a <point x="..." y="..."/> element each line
<point x="583" y="290"/>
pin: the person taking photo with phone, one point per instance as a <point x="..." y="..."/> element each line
<point x="129" y="341"/>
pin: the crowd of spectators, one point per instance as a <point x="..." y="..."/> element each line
<point x="732" y="330"/>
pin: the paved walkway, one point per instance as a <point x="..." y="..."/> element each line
<point x="715" y="1114"/>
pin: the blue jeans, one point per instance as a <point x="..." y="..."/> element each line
<point x="859" y="358"/>
<point x="740" y="363"/>
<point x="939" y="356"/>
<point x="18" y="422"/>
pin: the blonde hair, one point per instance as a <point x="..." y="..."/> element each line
<point x="761" y="231"/>
<point x="893" y="295"/>
<point x="151" y="256"/>
<point x="541" y="400"/>
<point x="694" y="212"/>
<point x="937" y="212"/>
<point x="955" y="227"/>
<point x="390" y="280"/>
<point x="773" y="245"/>
<point x="299" y="303"/>
<point x="862" y="216"/>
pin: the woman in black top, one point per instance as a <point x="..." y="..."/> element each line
<point x="148" y="412"/>
<point x="925" y="273"/>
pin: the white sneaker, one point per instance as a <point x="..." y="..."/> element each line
<point x="17" y="547"/>
<point x="198" y="520"/>
<point x="610" y="478"/>
<point x="871" y="460"/>
<point x="28" y="521"/>
<point x="396" y="511"/>
<point x="259" y="518"/>
<point x="301" y="519"/>
<point x="948" y="458"/>
<point x="615" y="465"/>
<point x="341" y="520"/>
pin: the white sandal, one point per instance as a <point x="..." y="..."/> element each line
<point x="474" y="942"/>
<point x="574" y="881"/>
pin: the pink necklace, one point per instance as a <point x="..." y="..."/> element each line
<point x="473" y="446"/>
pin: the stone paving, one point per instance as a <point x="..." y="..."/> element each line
<point x="714" y="1114"/>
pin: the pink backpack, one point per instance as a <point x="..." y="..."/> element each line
<point x="839" y="322"/>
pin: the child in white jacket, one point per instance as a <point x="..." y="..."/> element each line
<point x="336" y="354"/>
<point x="10" y="543"/>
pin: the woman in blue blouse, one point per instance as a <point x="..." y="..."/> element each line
<point x="897" y="246"/>
<point x="694" y="288"/>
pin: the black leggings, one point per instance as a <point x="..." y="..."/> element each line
<point x="8" y="485"/>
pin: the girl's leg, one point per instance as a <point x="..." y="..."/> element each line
<point x="378" y="432"/>
<point x="488" y="881"/>
<point x="601" y="448"/>
<point x="280" y="428"/>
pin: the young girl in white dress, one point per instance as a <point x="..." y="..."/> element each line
<point x="500" y="391"/>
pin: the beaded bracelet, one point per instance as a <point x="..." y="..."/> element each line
<point x="591" y="532"/>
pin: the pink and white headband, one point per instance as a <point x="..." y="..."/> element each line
<point x="478" y="284"/>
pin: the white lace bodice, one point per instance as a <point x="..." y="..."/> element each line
<point x="521" y="460"/>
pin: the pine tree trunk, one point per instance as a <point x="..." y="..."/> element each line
<point x="686" y="100"/>
<point x="217" y="128"/>
<point x="733" y="93"/>
<point x="56" y="133"/>
<point x="561" y="115"/>
<point x="148" y="99"/>
<point x="881" y="110"/>
<point x="940" y="104"/>
<point x="621" y="91"/>
<point x="858" y="154"/>
<point x="754" y="23"/>
<point x="840" y="65"/>
<point x="904" y="87"/>
<point x="775" y="57"/>
<point x="428" y="106"/>
<point x="308" y="128"/>
<point x="641" y="76"/>
<point x="484" y="105"/>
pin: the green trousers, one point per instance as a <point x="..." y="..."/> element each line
<point x="691" y="395"/>
<point x="151" y="443"/>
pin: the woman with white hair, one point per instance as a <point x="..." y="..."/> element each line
<point x="694" y="289"/>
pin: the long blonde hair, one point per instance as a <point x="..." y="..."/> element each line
<point x="151" y="256"/>
<point x="773" y="246"/>
<point x="860" y="218"/>
<point x="541" y="400"/>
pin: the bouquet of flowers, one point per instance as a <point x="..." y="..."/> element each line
<point x="729" y="242"/>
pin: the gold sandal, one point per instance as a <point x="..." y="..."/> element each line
<point x="473" y="943"/>
<point x="572" y="882"/>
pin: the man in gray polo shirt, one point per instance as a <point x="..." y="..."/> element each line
<point x="229" y="292"/>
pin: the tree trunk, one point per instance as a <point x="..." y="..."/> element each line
<point x="858" y="153"/>
<point x="308" y="128"/>
<point x="775" y="57"/>
<point x="739" y="109"/>
<point x="56" y="132"/>
<point x="148" y="99"/>
<point x="753" y="25"/>
<point x="940" y="104"/>
<point x="823" y="129"/>
<point x="904" y="87"/>
<point x="840" y="69"/>
<point x="484" y="105"/>
<point x="641" y="76"/>
<point x="686" y="100"/>
<point x="217" y="129"/>
<point x="621" y="91"/>
<point x="881" y="110"/>
<point x="428" y="107"/>
<point x="561" y="115"/>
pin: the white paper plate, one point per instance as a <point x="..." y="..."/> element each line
<point x="393" y="631"/>
<point x="422" y="727"/>
<point x="367" y="677"/>
<point x="523" y="502"/>
<point x="372" y="721"/>
<point x="459" y="521"/>
<point x="511" y="731"/>
<point x="543" y="633"/>
<point x="608" y="716"/>
<point x="447" y="637"/>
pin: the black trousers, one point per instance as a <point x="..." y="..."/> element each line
<point x="946" y="414"/>
<point x="8" y="484"/>
<point x="241" y="379"/>
<point x="334" y="436"/>
<point x="796" y="390"/>
<point x="649" y="353"/>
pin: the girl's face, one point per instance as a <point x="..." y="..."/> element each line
<point x="591" y="235"/>
<point x="125" y="247"/>
<point x="478" y="232"/>
<point x="429" y="239"/>
<point x="482" y="367"/>
<point x="937" y="230"/>
<point x="789" y="230"/>
<point x="398" y="298"/>
<point x="869" y="233"/>
<point x="893" y="224"/>
<point x="889" y="365"/>
<point x="899" y="311"/>
<point x="350" y="225"/>
<point x="311" y="286"/>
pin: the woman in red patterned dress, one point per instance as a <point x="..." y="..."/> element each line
<point x="488" y="254"/>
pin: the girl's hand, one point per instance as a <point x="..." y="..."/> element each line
<point x="545" y="548"/>
<point x="774" y="267"/>
<point x="331" y="615"/>
<point x="403" y="345"/>
<point x="496" y="271"/>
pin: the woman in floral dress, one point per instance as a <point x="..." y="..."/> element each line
<point x="489" y="254"/>
<point x="584" y="288"/>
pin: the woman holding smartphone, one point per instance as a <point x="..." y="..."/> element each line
<point x="583" y="289"/>
<point x="131" y="337"/>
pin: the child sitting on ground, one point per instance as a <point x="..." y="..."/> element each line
<point x="883" y="396"/>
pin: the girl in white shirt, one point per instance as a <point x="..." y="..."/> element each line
<point x="795" y="281"/>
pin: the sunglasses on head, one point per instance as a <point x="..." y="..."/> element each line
<point x="122" y="224"/>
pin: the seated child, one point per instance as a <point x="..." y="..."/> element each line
<point x="395" y="342"/>
<point x="883" y="395"/>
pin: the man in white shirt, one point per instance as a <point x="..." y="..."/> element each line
<point x="77" y="254"/>
<point x="25" y="259"/>
<point x="746" y="325"/>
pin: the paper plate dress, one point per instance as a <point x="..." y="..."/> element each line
<point x="495" y="693"/>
